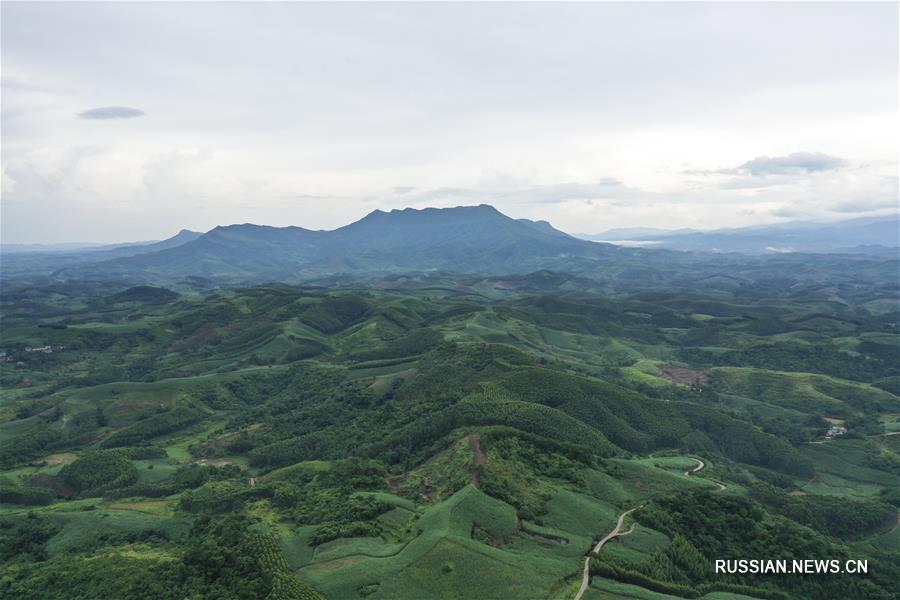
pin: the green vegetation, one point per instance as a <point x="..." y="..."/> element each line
<point x="445" y="436"/>
<point x="97" y="470"/>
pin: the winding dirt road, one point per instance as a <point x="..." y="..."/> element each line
<point x="702" y="465"/>
<point x="586" y="577"/>
<point x="617" y="531"/>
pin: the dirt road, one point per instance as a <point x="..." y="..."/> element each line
<point x="586" y="577"/>
<point x="701" y="465"/>
<point x="477" y="460"/>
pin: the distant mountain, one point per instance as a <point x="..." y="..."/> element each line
<point x="49" y="248"/>
<point x="870" y="235"/>
<point x="545" y="227"/>
<point x="461" y="239"/>
<point x="631" y="233"/>
<point x="123" y="249"/>
<point x="38" y="260"/>
<point x="182" y="237"/>
<point x="472" y="240"/>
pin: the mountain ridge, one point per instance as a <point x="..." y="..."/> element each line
<point x="796" y="236"/>
<point x="471" y="238"/>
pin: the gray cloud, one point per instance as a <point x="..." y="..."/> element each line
<point x="512" y="119"/>
<point x="111" y="112"/>
<point x="861" y="206"/>
<point x="789" y="212"/>
<point x="798" y="162"/>
<point x="403" y="189"/>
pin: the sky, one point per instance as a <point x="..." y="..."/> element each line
<point x="131" y="121"/>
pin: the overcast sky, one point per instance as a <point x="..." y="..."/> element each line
<point x="126" y="121"/>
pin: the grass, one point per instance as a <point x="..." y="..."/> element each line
<point x="638" y="544"/>
<point x="443" y="560"/>
<point x="156" y="469"/>
<point x="885" y="541"/>
<point x="392" y="499"/>
<point x="82" y="529"/>
<point x="177" y="444"/>
<point x="295" y="544"/>
<point x="841" y="470"/>
<point x="806" y="392"/>
<point x="580" y="515"/>
<point x="152" y="507"/>
<point x="672" y="463"/>
<point x="608" y="589"/>
<point x="641" y="480"/>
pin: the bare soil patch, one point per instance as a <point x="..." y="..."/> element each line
<point x="684" y="376"/>
<point x="477" y="460"/>
<point x="58" y="459"/>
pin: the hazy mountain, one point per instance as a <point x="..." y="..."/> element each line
<point x="50" y="248"/>
<point x="631" y="233"/>
<point x="871" y="235"/>
<point x="469" y="239"/>
<point x="182" y="237"/>
<point x="42" y="259"/>
<point x="462" y="239"/>
<point x="122" y="249"/>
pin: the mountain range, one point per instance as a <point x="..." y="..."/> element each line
<point x="869" y="235"/>
<point x="462" y="239"/>
<point x="465" y="239"/>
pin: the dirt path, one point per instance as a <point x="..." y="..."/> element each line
<point x="586" y="576"/>
<point x="702" y="465"/>
<point x="478" y="460"/>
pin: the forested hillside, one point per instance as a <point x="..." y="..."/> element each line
<point x="439" y="436"/>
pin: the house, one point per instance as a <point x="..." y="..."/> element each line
<point x="835" y="430"/>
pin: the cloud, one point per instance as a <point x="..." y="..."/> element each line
<point x="313" y="197"/>
<point x="604" y="188"/>
<point x="706" y="172"/>
<point x="862" y="206"/>
<point x="111" y="112"/>
<point x="788" y="212"/>
<point x="798" y="162"/>
<point x="498" y="123"/>
<point x="403" y="189"/>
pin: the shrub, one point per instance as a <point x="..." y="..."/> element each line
<point x="100" y="469"/>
